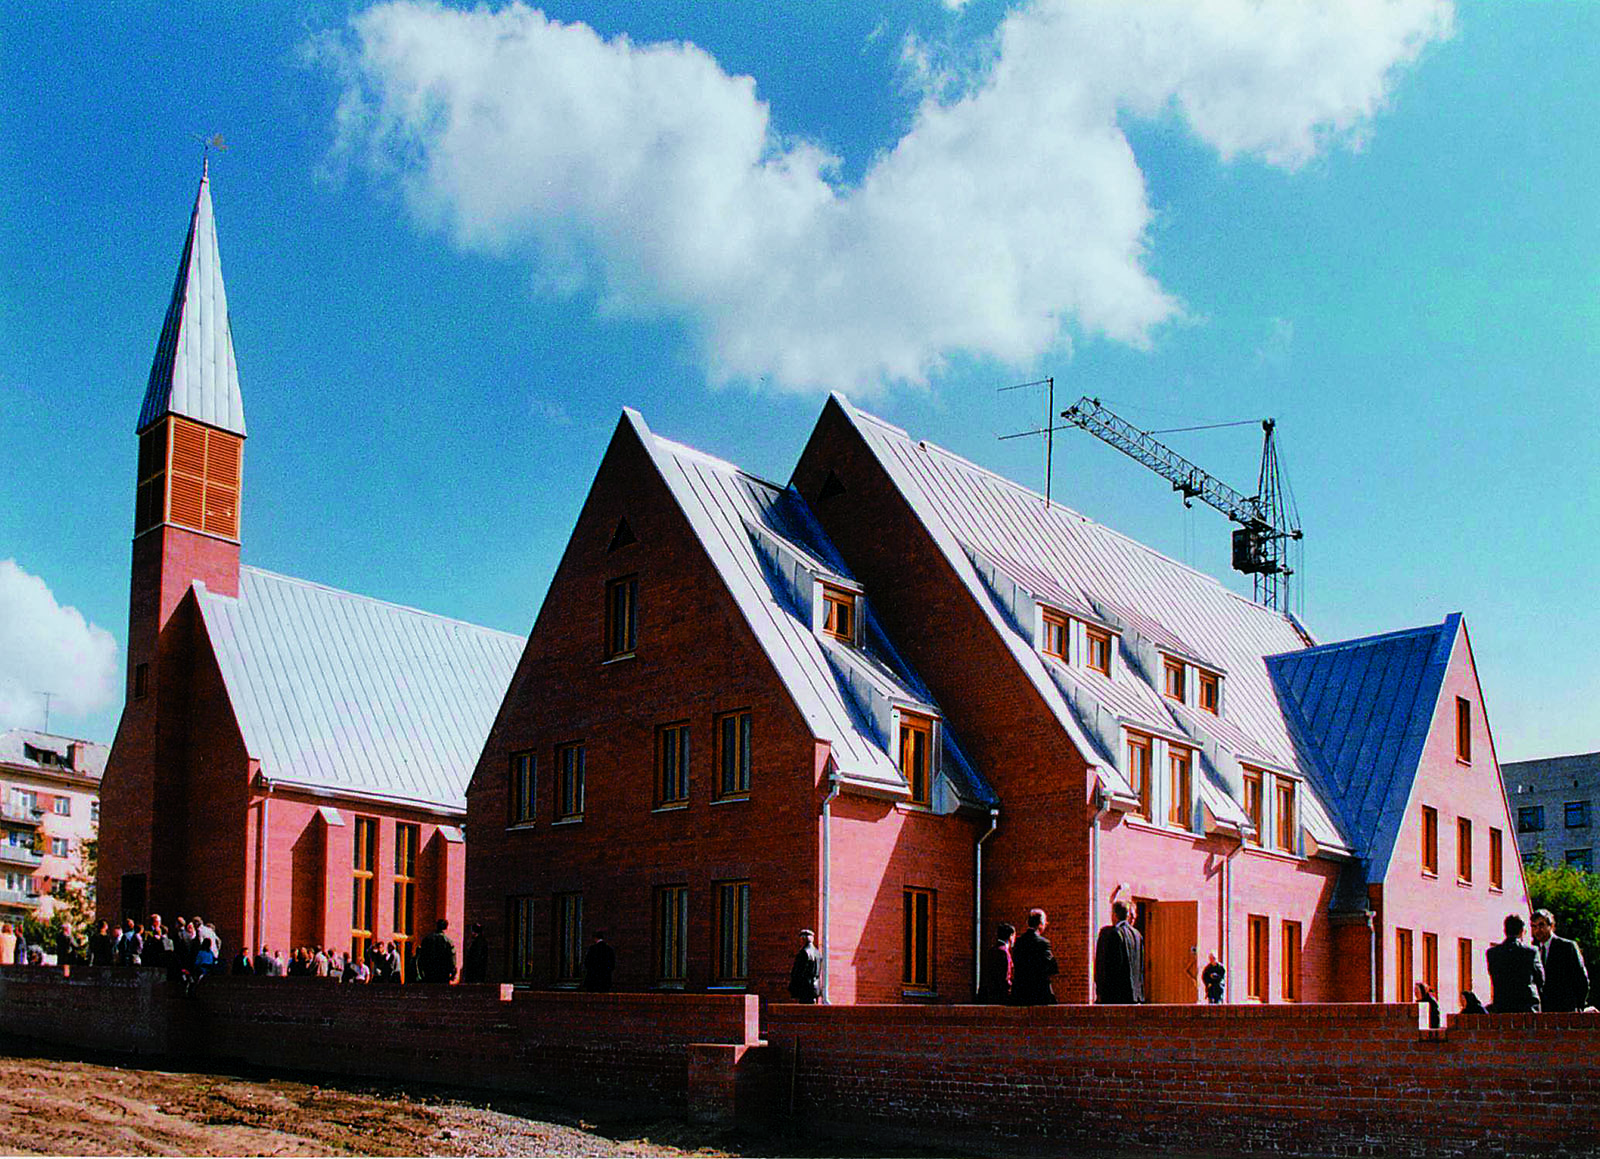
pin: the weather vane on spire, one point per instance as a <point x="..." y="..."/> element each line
<point x="207" y="144"/>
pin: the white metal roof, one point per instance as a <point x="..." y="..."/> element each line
<point x="194" y="373"/>
<point x="336" y="691"/>
<point x="15" y="742"/>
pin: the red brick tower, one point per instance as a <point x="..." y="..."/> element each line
<point x="186" y="530"/>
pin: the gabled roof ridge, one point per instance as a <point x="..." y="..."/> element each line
<point x="1363" y="641"/>
<point x="683" y="450"/>
<point x="331" y="590"/>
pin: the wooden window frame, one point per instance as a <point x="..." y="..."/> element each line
<point x="363" y="884"/>
<point x="1054" y="628"/>
<point x="570" y="776"/>
<point x="1430" y="842"/>
<point x="1291" y="960"/>
<point x="519" y="937"/>
<point x="919" y="940"/>
<point x="1497" y="871"/>
<point x="735" y="755"/>
<point x="1254" y="779"/>
<point x="566" y="912"/>
<point x="915" y="728"/>
<point x="523" y="781"/>
<point x="407" y="845"/>
<point x="1174" y="680"/>
<point x="1180" y="786"/>
<point x="1430" y="962"/>
<point x="730" y="959"/>
<point x="622" y="617"/>
<point x="1285" y="815"/>
<point x="1464" y="850"/>
<point x="1139" y="771"/>
<point x="1405" y="978"/>
<point x="1097" y="650"/>
<point x="1463" y="730"/>
<point x="1210" y="692"/>
<point x="839" y="613"/>
<point x="1463" y="964"/>
<point x="673" y="754"/>
<point x="671" y="922"/>
<point x="1258" y="957"/>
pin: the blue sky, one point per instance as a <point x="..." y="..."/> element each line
<point x="456" y="245"/>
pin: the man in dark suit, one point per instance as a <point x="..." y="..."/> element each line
<point x="1515" y="973"/>
<point x="994" y="986"/>
<point x="1566" y="981"/>
<point x="1033" y="964"/>
<point x="805" y="974"/>
<point x="599" y="961"/>
<point x="1119" y="960"/>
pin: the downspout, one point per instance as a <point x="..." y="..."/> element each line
<point x="1227" y="921"/>
<point x="261" y="862"/>
<point x="827" y="873"/>
<point x="977" y="898"/>
<point x="1372" y="952"/>
<point x="1094" y="870"/>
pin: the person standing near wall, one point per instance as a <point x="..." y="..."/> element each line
<point x="599" y="961"/>
<point x="475" y="965"/>
<point x="1515" y="973"/>
<point x="436" y="957"/>
<point x="998" y="970"/>
<point x="1119" y="961"/>
<point x="1212" y="978"/>
<point x="1033" y="964"/>
<point x="1566" y="980"/>
<point x="805" y="975"/>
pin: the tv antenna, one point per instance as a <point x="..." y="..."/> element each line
<point x="1048" y="430"/>
<point x="47" y="696"/>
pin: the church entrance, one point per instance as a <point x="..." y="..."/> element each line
<point x="1171" y="937"/>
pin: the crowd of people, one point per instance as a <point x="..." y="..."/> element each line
<point x="15" y="949"/>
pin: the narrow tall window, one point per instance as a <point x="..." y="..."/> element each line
<point x="362" y="887"/>
<point x="1463" y="849"/>
<point x="1497" y="875"/>
<point x="519" y="938"/>
<point x="1210" y="692"/>
<point x="569" y="773"/>
<point x="1099" y="650"/>
<point x="732" y="960"/>
<point x="839" y="613"/>
<point x="1173" y="676"/>
<point x="1055" y="634"/>
<point x="733" y="754"/>
<point x="672" y="765"/>
<point x="1291" y="961"/>
<point x="1287" y="827"/>
<point x="569" y="937"/>
<point x="1430" y="962"/>
<point x="672" y="935"/>
<point x="1464" y="964"/>
<point x="1430" y="842"/>
<point x="1258" y="960"/>
<point x="405" y="886"/>
<point x="1252" y="802"/>
<point x="141" y="681"/>
<point x="524" y="786"/>
<point x="919" y="939"/>
<point x="916" y="740"/>
<point x="1404" y="977"/>
<point x="1139" y="771"/>
<point x="622" y="621"/>
<point x="1179" y="800"/>
<point x="1463" y="729"/>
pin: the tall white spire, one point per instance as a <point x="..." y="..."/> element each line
<point x="194" y="374"/>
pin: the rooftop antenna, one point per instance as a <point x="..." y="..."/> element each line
<point x="1048" y="430"/>
<point x="47" y="696"/>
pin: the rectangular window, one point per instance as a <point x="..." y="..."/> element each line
<point x="568" y="910"/>
<point x="919" y="939"/>
<point x="1463" y="729"/>
<point x="1530" y="819"/>
<point x="1287" y="828"/>
<point x="1404" y="978"/>
<point x="733" y="754"/>
<point x="519" y="938"/>
<point x="405" y="886"/>
<point x="1055" y="629"/>
<point x="1179" y="801"/>
<point x="839" y="613"/>
<point x="1430" y="963"/>
<point x="1497" y="875"/>
<point x="1463" y="964"/>
<point x="1252" y="801"/>
<point x="1430" y="842"/>
<point x="1173" y="676"/>
<point x="672" y="764"/>
<point x="362" y="886"/>
<point x="58" y="847"/>
<point x="622" y="621"/>
<point x="569" y="772"/>
<point x="1576" y="813"/>
<point x="1210" y="692"/>
<point x="1463" y="849"/>
<point x="62" y="807"/>
<point x="524" y="786"/>
<point x="1291" y="961"/>
<point x="1258" y="962"/>
<point x="204" y="478"/>
<point x="1581" y="859"/>
<point x="672" y="935"/>
<point x="1099" y="650"/>
<point x="141" y="681"/>
<point x="731" y="966"/>
<point x="1139" y="771"/>
<point x="916" y="742"/>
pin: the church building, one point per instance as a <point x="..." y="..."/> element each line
<point x="292" y="759"/>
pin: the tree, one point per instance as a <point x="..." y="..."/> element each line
<point x="1573" y="896"/>
<point x="66" y="931"/>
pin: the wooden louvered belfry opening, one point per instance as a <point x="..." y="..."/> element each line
<point x="189" y="475"/>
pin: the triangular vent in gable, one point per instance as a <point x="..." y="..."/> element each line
<point x="831" y="488"/>
<point x="622" y="536"/>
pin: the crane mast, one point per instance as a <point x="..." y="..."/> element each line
<point x="1266" y="526"/>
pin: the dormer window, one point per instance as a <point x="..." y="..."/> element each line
<point x="1055" y="630"/>
<point x="1139" y="747"/>
<point x="1210" y="692"/>
<point x="1286" y="816"/>
<point x="1253" y="781"/>
<point x="1173" y="678"/>
<point x="916" y="760"/>
<point x="1180" y="798"/>
<point x="838" y="613"/>
<point x="1099" y="650"/>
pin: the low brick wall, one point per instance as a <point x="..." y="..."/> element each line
<point x="1314" y="1079"/>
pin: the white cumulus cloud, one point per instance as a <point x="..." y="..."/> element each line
<point x="45" y="647"/>
<point x="1012" y="215"/>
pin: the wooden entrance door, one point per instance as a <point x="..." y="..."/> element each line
<point x="1171" y="930"/>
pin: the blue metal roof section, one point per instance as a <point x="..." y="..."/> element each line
<point x="335" y="692"/>
<point x="1359" y="712"/>
<point x="194" y="373"/>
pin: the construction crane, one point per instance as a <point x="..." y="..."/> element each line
<point x="1266" y="524"/>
